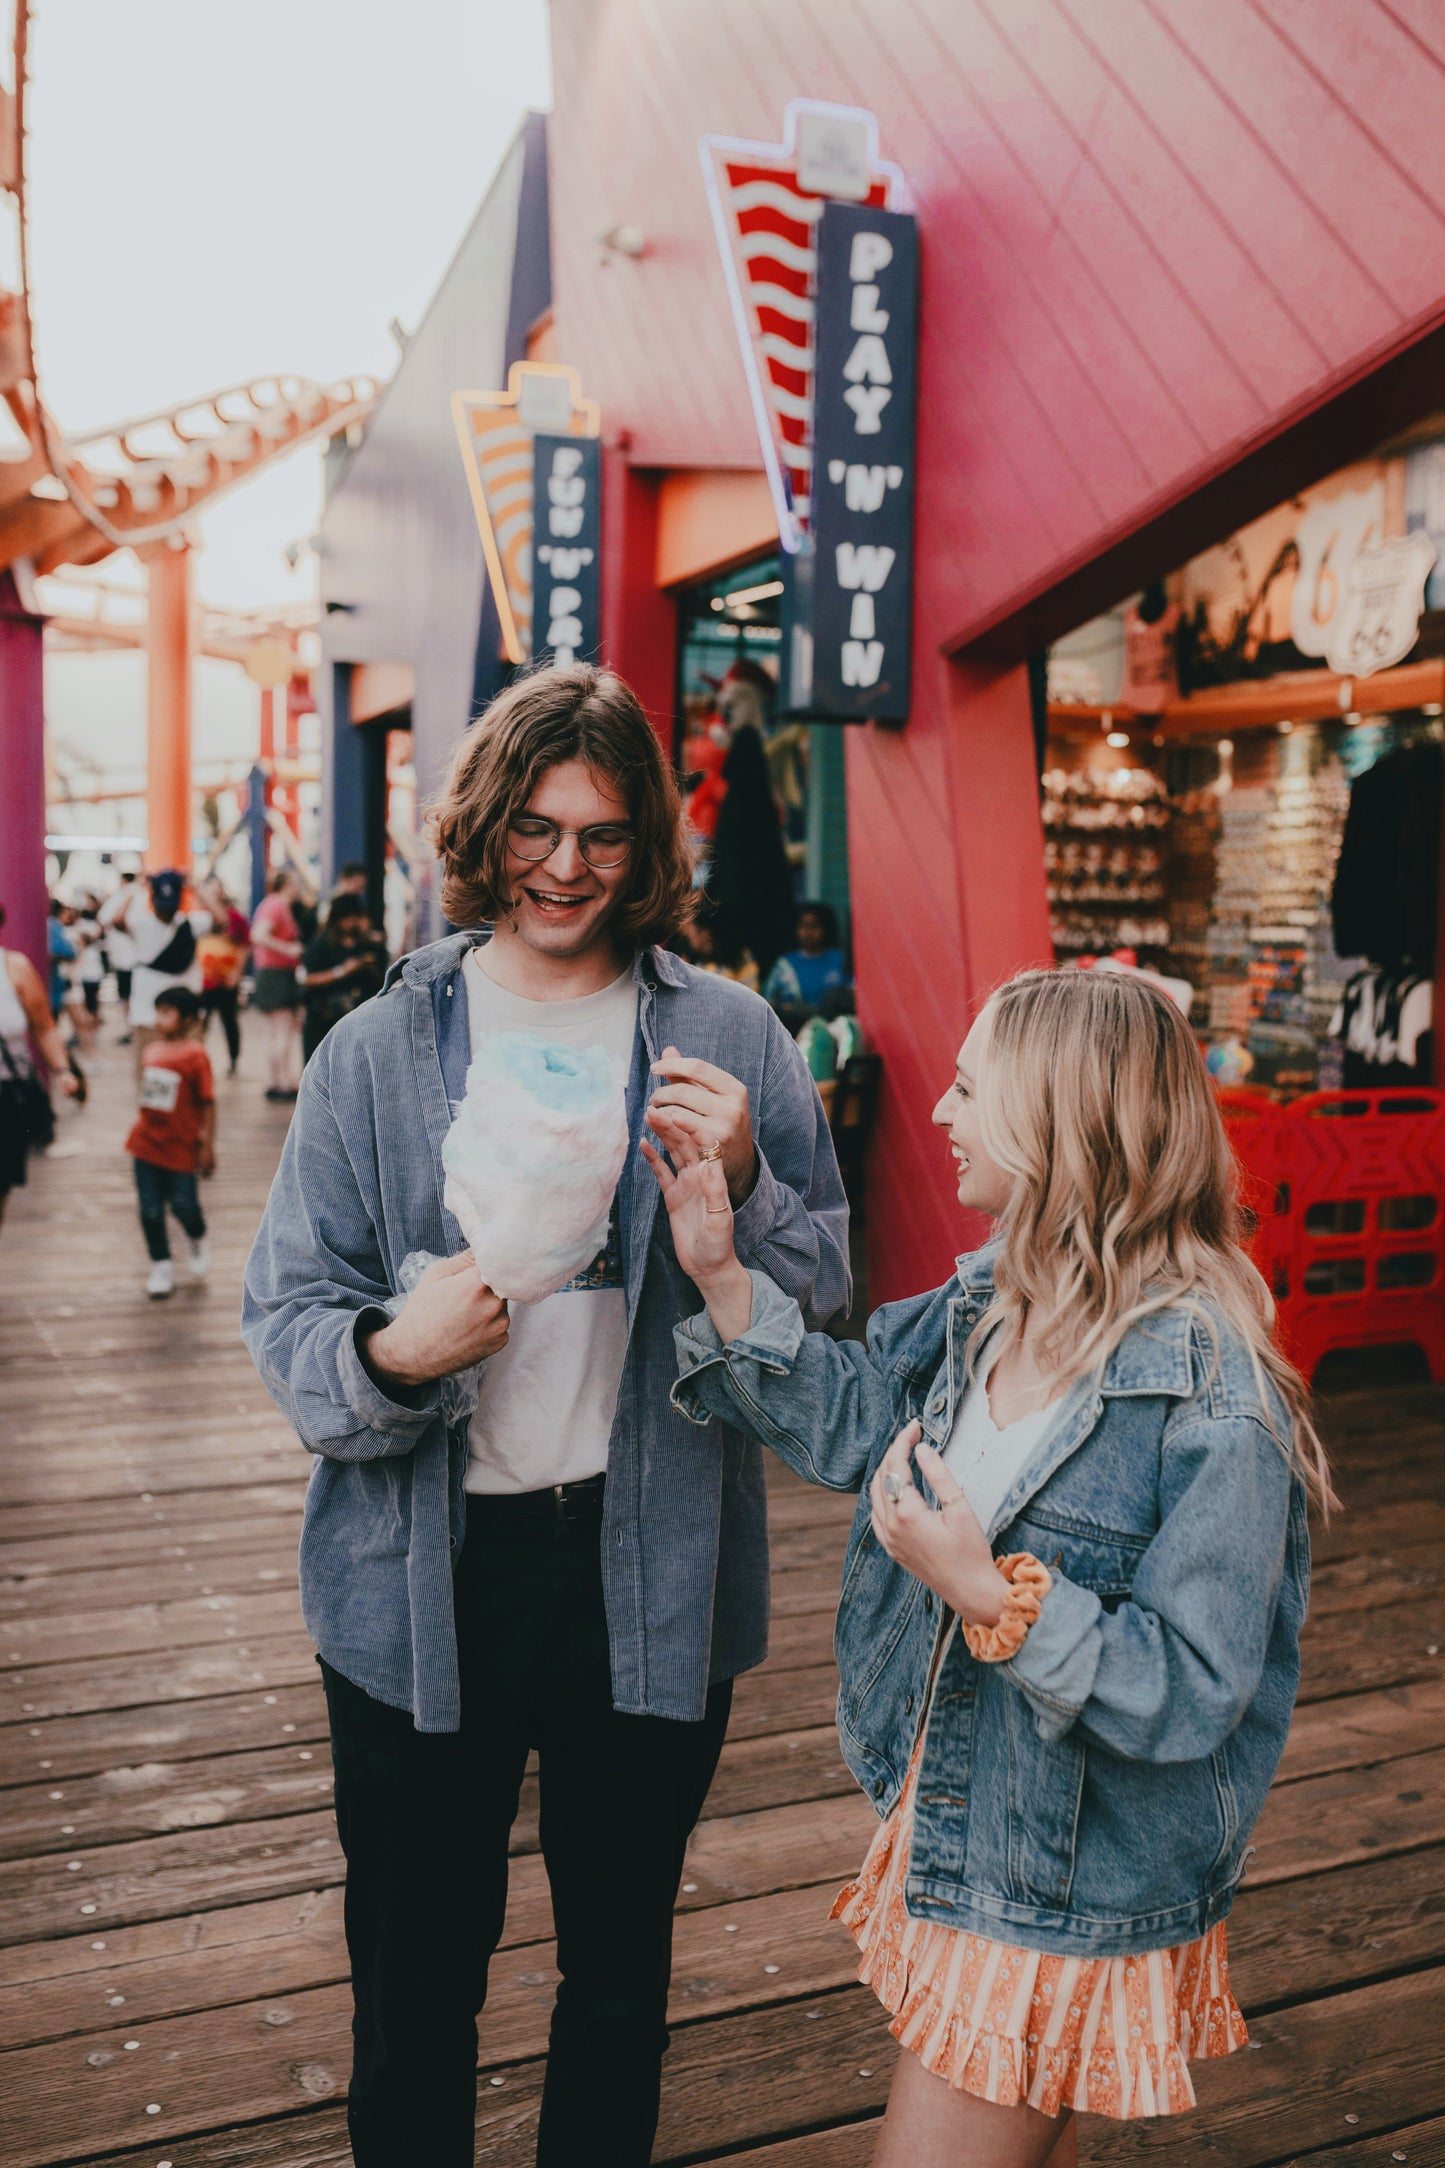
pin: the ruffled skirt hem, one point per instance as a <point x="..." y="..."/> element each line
<point x="1109" y="2036"/>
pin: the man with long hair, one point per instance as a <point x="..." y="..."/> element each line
<point x="573" y="1569"/>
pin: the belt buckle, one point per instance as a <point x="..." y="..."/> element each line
<point x="561" y="1504"/>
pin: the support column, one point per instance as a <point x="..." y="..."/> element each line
<point x="22" y="777"/>
<point x="948" y="900"/>
<point x="170" y="643"/>
<point x="639" y="621"/>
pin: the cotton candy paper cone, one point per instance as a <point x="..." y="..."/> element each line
<point x="533" y="1160"/>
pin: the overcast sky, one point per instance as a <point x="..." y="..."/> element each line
<point x="219" y="193"/>
<point x="224" y="193"/>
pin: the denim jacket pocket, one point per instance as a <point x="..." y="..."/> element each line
<point x="1101" y="1559"/>
<point x="1045" y="1789"/>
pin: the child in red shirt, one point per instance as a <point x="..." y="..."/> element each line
<point x="173" y="1138"/>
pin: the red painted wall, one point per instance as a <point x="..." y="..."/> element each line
<point x="1156" y="240"/>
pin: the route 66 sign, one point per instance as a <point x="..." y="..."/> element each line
<point x="1378" y="619"/>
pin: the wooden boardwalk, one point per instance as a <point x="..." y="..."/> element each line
<point x="172" y="1976"/>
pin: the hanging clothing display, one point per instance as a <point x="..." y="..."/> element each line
<point x="1385" y="1020"/>
<point x="1386" y="899"/>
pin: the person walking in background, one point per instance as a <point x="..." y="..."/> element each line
<point x="165" y="950"/>
<point x="89" y="939"/>
<point x="26" y="1123"/>
<point x="61" y="950"/>
<point x="276" y="949"/>
<point x="811" y="978"/>
<point x="748" y="873"/>
<point x="222" y="952"/>
<point x="1068" y="1638"/>
<point x="173" y="1138"/>
<point x="120" y="945"/>
<point x="342" y="967"/>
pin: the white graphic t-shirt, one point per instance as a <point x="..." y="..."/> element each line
<point x="547" y="1400"/>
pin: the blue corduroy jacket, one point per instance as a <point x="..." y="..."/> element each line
<point x="684" y="1540"/>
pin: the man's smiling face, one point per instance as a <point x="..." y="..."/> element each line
<point x="561" y="906"/>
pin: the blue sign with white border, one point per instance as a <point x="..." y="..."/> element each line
<point x="847" y="651"/>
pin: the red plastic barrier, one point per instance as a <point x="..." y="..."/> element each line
<point x="1355" y="1247"/>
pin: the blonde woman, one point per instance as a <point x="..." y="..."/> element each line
<point x="1068" y="1637"/>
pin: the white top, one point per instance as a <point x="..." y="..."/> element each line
<point x="983" y="1460"/>
<point x="14" y="1023"/>
<point x="152" y="937"/>
<point x="547" y="1400"/>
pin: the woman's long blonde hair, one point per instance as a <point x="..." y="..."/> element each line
<point x="1093" y="1099"/>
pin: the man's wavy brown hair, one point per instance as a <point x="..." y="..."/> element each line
<point x="552" y="715"/>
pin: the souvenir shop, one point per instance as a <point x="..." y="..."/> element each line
<point x="1229" y="801"/>
<point x="1243" y="784"/>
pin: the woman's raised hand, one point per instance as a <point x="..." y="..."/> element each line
<point x="695" y="1191"/>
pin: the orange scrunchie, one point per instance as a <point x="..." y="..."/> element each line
<point x="1028" y="1584"/>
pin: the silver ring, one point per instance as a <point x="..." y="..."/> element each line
<point x="893" y="1487"/>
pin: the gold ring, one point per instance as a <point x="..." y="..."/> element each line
<point x="718" y="1208"/>
<point x="710" y="1151"/>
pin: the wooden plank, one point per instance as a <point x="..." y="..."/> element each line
<point x="198" y="1621"/>
<point x="63" y="1747"/>
<point x="1363" y="1728"/>
<point x="172" y="1573"/>
<point x="1421" y="2144"/>
<point x="125" y="1527"/>
<point x="188" y="1870"/>
<point x="283" y="1659"/>
<point x="1338" y="1929"/>
<point x="153" y="1797"/>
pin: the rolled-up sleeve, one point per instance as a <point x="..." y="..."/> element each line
<point x="1168" y="1675"/>
<point x="823" y="1405"/>
<point x="315" y="1282"/>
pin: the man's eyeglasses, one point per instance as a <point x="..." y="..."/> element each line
<point x="602" y="847"/>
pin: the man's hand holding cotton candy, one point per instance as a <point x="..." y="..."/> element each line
<point x="450" y="1320"/>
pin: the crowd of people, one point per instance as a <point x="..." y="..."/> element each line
<point x="178" y="958"/>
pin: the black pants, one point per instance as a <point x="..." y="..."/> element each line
<point x="222" y="1001"/>
<point x="424" y="1820"/>
<point x="157" y="1187"/>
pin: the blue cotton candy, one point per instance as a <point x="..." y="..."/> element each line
<point x="561" y="1077"/>
<point x="533" y="1160"/>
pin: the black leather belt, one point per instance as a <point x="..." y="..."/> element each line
<point x="537" y="1509"/>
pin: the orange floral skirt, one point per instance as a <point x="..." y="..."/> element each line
<point x="1112" y="2035"/>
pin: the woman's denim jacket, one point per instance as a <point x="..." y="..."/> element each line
<point x="1095" y="1795"/>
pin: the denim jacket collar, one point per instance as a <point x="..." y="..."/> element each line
<point x="1157" y="1357"/>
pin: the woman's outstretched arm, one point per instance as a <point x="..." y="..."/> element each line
<point x="826" y="1407"/>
